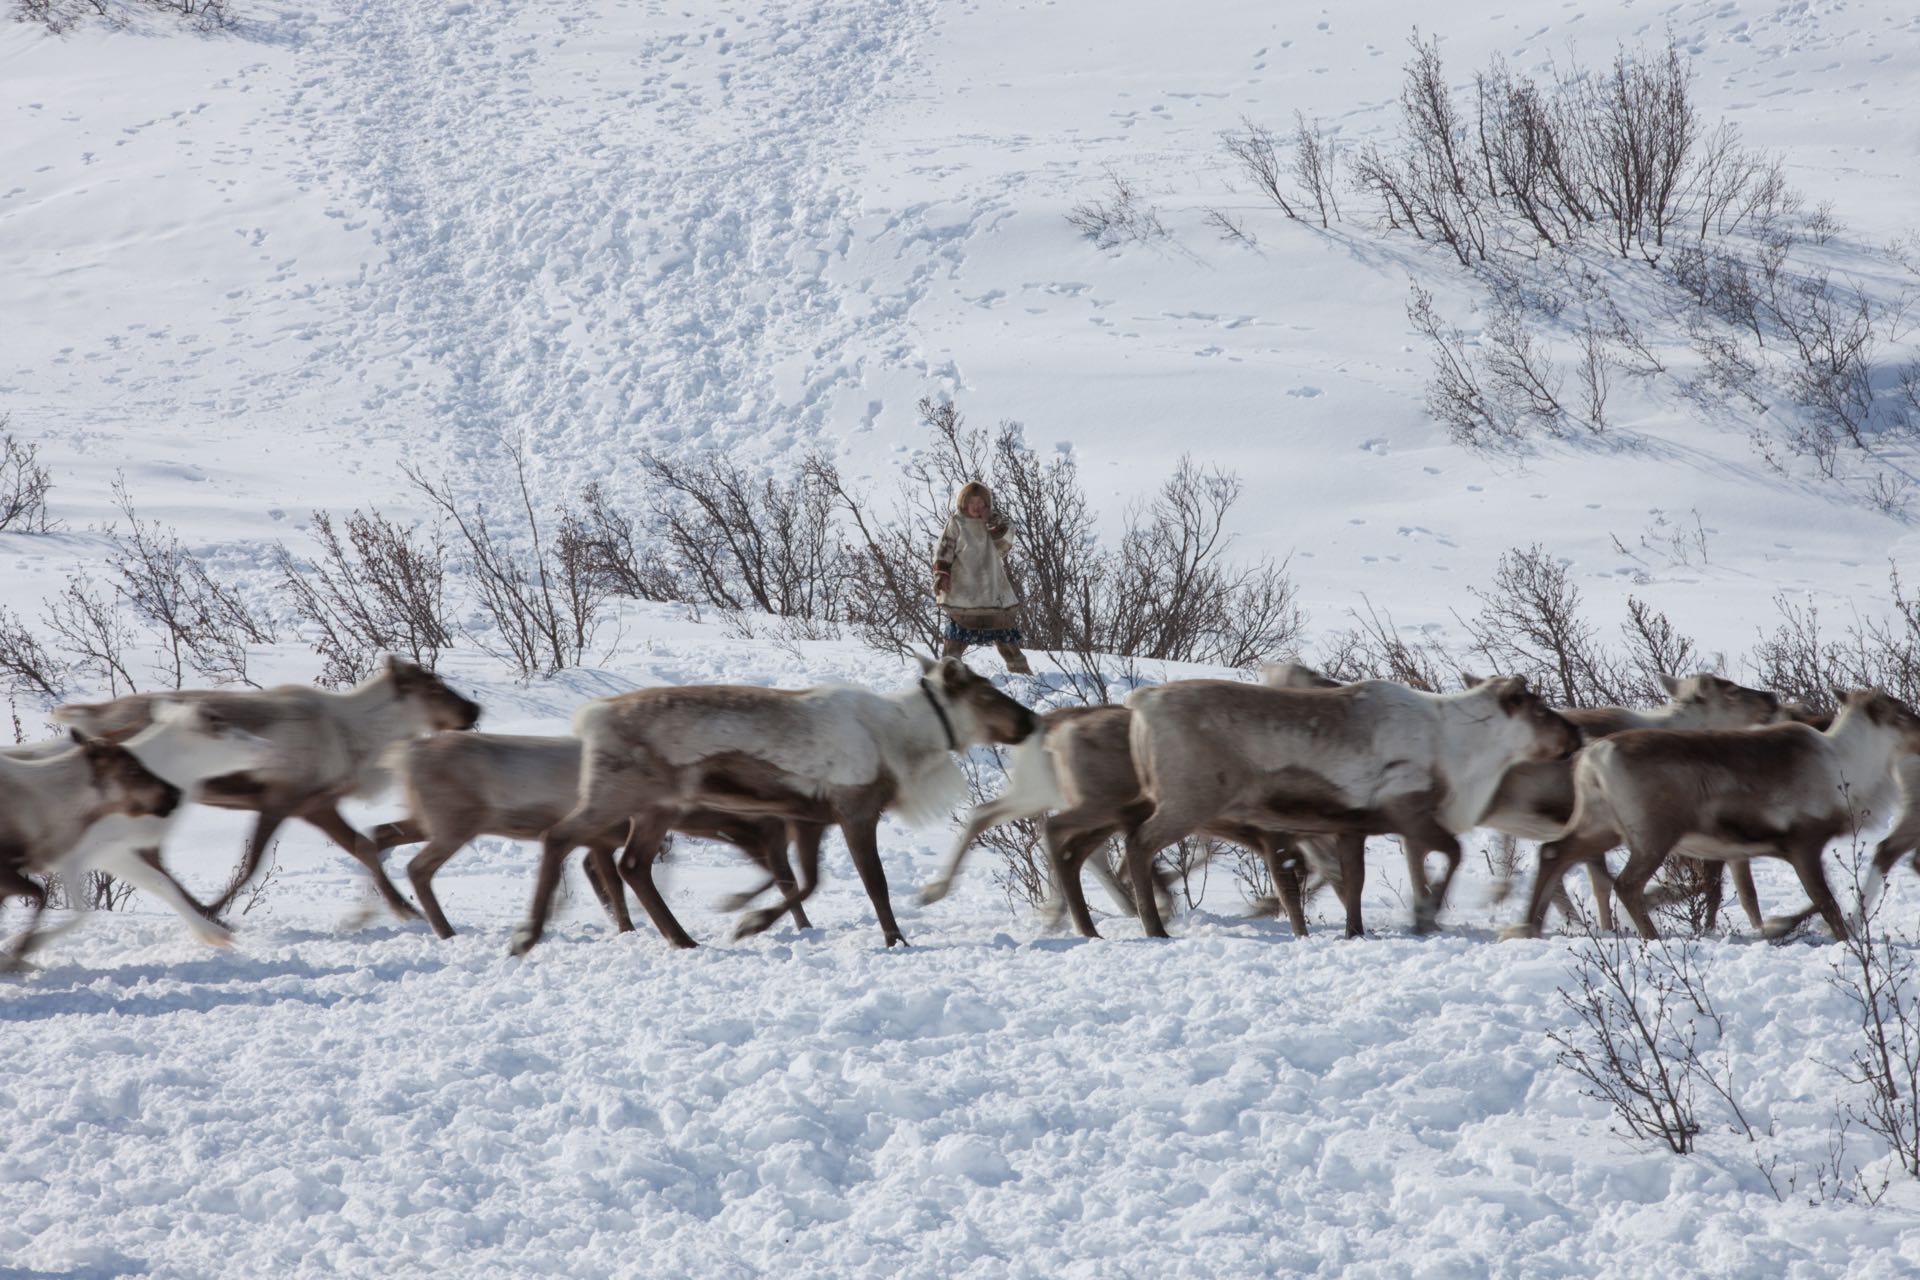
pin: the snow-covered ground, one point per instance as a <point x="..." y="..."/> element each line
<point x="256" y="272"/>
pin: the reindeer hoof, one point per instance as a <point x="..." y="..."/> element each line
<point x="893" y="938"/>
<point x="738" y="901"/>
<point x="755" y="923"/>
<point x="1516" y="931"/>
<point x="1778" y="927"/>
<point x="524" y="939"/>
<point x="933" y="891"/>
<point x="1261" y="908"/>
<point x="215" y="937"/>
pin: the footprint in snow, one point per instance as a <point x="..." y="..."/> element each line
<point x="1375" y="445"/>
<point x="1308" y="393"/>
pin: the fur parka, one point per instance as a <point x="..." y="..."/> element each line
<point x="971" y="558"/>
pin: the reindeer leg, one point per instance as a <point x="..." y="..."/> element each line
<point x="15" y="885"/>
<point x="1067" y="853"/>
<point x="604" y="876"/>
<point x="327" y="818"/>
<point x="1283" y="867"/>
<point x="1748" y="894"/>
<point x="1162" y="828"/>
<point x="269" y="822"/>
<point x="421" y="870"/>
<point x="636" y="868"/>
<point x="806" y="837"/>
<point x="1557" y="857"/>
<point x="146" y="874"/>
<point x="1603" y="886"/>
<point x="1803" y="853"/>
<point x="774" y="851"/>
<point x="1351" y="853"/>
<point x="1428" y="836"/>
<point x="390" y="835"/>
<point x="1646" y="851"/>
<point x="860" y="835"/>
<point x="982" y="818"/>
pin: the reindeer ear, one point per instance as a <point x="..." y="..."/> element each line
<point x="1468" y="680"/>
<point x="953" y="672"/>
<point x="78" y="737"/>
<point x="926" y="664"/>
<point x="1671" y="685"/>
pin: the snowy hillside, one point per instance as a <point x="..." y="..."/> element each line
<point x="257" y="272"/>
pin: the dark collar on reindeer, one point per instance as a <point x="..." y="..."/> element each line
<point x="953" y="743"/>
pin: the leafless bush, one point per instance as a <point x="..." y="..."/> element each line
<point x="536" y="584"/>
<point x="1873" y="970"/>
<point x="244" y="895"/>
<point x="1118" y="215"/>
<point x="1797" y="660"/>
<point x="1167" y="590"/>
<point x="1314" y="164"/>
<point x="1655" y="648"/>
<point x="1229" y="228"/>
<point x="1454" y="393"/>
<point x="1438" y="184"/>
<point x="1644" y="1036"/>
<point x="60" y="16"/>
<point x="1530" y="152"/>
<point x="198" y="623"/>
<point x="380" y="590"/>
<point x="24" y="483"/>
<point x="1834" y="334"/>
<point x="1595" y="372"/>
<point x="1519" y="371"/>
<point x="1530" y="624"/>
<point x="1255" y="149"/>
<point x="25" y="664"/>
<point x="737" y="542"/>
<point x="1643" y="123"/>
<point x="624" y="558"/>
<point x="93" y="631"/>
<point x="1374" y="648"/>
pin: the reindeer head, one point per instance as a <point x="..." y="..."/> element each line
<point x="1550" y="735"/>
<point x="1294" y="675"/>
<point x="128" y="787"/>
<point x="1715" y="703"/>
<point x="438" y="704"/>
<point x="985" y="713"/>
<point x="1889" y="713"/>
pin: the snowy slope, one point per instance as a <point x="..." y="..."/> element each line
<point x="257" y="272"/>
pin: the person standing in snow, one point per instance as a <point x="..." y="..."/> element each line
<point x="970" y="580"/>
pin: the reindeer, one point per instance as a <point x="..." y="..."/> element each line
<point x="1779" y="791"/>
<point x="1079" y="767"/>
<point x="1535" y="799"/>
<point x="1367" y="758"/>
<point x="184" y="745"/>
<point x="811" y="757"/>
<point x="46" y="807"/>
<point x="328" y="746"/>
<point x="462" y="785"/>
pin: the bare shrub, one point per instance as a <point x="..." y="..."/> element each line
<point x="1454" y="393"/>
<point x="198" y="624"/>
<point x="1644" y="1034"/>
<point x="1530" y="624"/>
<point x="1374" y="648"/>
<point x="1643" y="123"/>
<point x="1167" y="590"/>
<point x="93" y="631"/>
<point x="1314" y="164"/>
<point x="1255" y="149"/>
<point x="1833" y="332"/>
<point x="1595" y="372"/>
<point x="1519" y="371"/>
<point x="1655" y="648"/>
<point x="24" y="484"/>
<point x="625" y="560"/>
<point x="740" y="542"/>
<point x="536" y="584"/>
<point x="1230" y="228"/>
<point x="25" y="664"/>
<point x="1530" y="154"/>
<point x="1797" y="660"/>
<point x="1120" y="214"/>
<point x="381" y="589"/>
<point x="1873" y="970"/>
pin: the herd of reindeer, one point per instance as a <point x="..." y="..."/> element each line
<point x="1298" y="768"/>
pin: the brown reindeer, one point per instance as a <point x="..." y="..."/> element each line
<point x="811" y="757"/>
<point x="1535" y="799"/>
<point x="1780" y="791"/>
<point x="1078" y="767"/>
<point x="328" y="747"/>
<point x="47" y="805"/>
<point x="1363" y="759"/>
<point x="462" y="785"/>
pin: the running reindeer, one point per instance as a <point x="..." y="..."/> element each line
<point x="811" y="757"/>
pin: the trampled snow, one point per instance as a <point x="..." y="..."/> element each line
<point x="256" y="272"/>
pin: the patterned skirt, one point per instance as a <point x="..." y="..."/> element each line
<point x="982" y="626"/>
